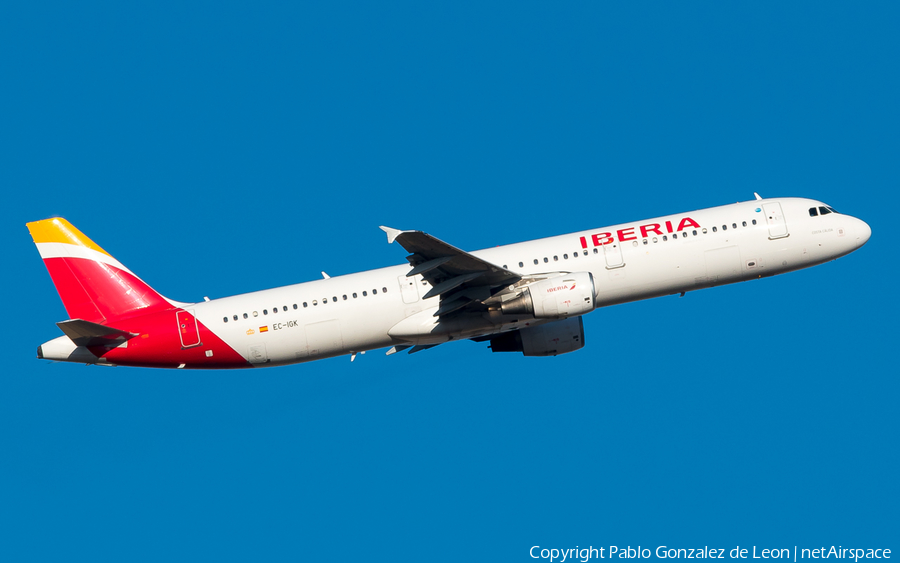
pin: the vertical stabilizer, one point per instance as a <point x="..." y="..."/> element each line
<point x="93" y="285"/>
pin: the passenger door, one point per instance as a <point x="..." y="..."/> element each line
<point x="408" y="289"/>
<point x="187" y="329"/>
<point x="775" y="220"/>
<point x="613" y="254"/>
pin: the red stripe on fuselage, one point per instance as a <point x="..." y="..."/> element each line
<point x="158" y="344"/>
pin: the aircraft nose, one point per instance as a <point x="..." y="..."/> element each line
<point x="863" y="232"/>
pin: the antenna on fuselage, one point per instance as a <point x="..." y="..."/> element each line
<point x="757" y="195"/>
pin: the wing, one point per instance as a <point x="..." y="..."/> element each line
<point x="462" y="280"/>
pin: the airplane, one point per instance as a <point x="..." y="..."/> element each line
<point x="527" y="297"/>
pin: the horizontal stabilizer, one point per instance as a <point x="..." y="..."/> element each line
<point x="86" y="333"/>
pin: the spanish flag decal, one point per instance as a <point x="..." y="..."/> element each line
<point x="264" y="329"/>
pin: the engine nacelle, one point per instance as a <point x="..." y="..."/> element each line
<point x="551" y="339"/>
<point x="555" y="298"/>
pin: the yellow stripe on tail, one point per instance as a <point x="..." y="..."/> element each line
<point x="58" y="229"/>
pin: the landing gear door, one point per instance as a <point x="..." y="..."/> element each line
<point x="775" y="220"/>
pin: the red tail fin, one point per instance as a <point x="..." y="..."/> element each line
<point x="93" y="285"/>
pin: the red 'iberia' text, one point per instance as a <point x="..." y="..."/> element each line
<point x="630" y="233"/>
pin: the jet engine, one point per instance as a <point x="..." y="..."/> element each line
<point x="551" y="339"/>
<point x="559" y="297"/>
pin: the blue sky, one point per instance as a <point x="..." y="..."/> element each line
<point x="217" y="148"/>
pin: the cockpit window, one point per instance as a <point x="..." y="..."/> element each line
<point x="832" y="209"/>
<point x="813" y="212"/>
<point x="824" y="211"/>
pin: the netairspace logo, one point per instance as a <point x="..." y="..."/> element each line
<point x="585" y="554"/>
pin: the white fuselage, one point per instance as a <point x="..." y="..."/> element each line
<point x="382" y="308"/>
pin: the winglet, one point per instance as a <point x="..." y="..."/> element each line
<point x="392" y="234"/>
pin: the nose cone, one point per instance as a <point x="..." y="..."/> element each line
<point x="863" y="232"/>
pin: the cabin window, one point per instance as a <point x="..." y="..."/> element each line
<point x="565" y="256"/>
<point x="744" y="223"/>
<point x="645" y="242"/>
<point x="655" y="240"/>
<point x="324" y="300"/>
<point x="274" y="310"/>
<point x="383" y="290"/>
<point x="245" y="315"/>
<point x="704" y="230"/>
<point x="365" y="294"/>
<point x="334" y="298"/>
<point x="374" y="292"/>
<point x="315" y="302"/>
<point x="295" y="306"/>
<point x="354" y="295"/>
<point x="585" y="252"/>
<point x="556" y="258"/>
<point x="304" y="305"/>
<point x="695" y="232"/>
<point x="224" y="319"/>
<point x="504" y="267"/>
<point x="665" y="238"/>
<point x="715" y="230"/>
<point x="754" y="221"/>
<point x="521" y="265"/>
<point x="545" y="260"/>
<point x="595" y="250"/>
<point x="724" y="227"/>
<point x="575" y="254"/>
<point x="345" y="297"/>
<point x="535" y="261"/>
<point x="634" y="243"/>
<point x="734" y="225"/>
<point x="255" y="314"/>
<point x="265" y="311"/>
<point x="674" y="236"/>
